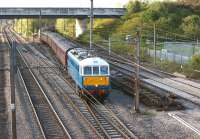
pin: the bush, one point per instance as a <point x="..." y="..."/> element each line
<point x="195" y="62"/>
<point x="134" y="6"/>
<point x="193" y="65"/>
<point x="191" y="25"/>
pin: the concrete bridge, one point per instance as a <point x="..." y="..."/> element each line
<point x="81" y="14"/>
<point x="6" y="13"/>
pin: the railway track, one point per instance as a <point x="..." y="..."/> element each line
<point x="4" y="132"/>
<point x="147" y="97"/>
<point x="100" y="120"/>
<point x="164" y="86"/>
<point x="130" y="65"/>
<point x="51" y="124"/>
<point x="161" y="84"/>
<point x="157" y="80"/>
<point x="125" y="69"/>
<point x="24" y="97"/>
<point x="147" y="94"/>
<point x="57" y="84"/>
<point x="114" y="127"/>
<point x="39" y="131"/>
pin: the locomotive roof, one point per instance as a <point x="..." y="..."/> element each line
<point x="94" y="61"/>
<point x="80" y="53"/>
<point x="86" y="58"/>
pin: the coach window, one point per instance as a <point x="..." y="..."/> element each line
<point x="95" y="70"/>
<point x="87" y="70"/>
<point x="104" y="70"/>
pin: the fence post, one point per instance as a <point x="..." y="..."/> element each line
<point x="160" y="54"/>
<point x="173" y="57"/>
<point x="197" y="44"/>
<point x="137" y="84"/>
<point x="154" y="42"/>
<point x="12" y="79"/>
<point x="109" y="44"/>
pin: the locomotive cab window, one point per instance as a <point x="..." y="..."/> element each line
<point x="95" y="70"/>
<point x="87" y="70"/>
<point x="104" y="70"/>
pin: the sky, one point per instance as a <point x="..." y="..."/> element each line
<point x="62" y="3"/>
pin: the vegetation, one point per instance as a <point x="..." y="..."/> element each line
<point x="168" y="17"/>
<point x="28" y="27"/>
<point x="191" y="25"/>
<point x="66" y="27"/>
<point x="194" y="4"/>
<point x="174" y="21"/>
<point x="192" y="69"/>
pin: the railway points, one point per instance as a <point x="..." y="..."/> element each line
<point x="67" y="88"/>
<point x="157" y="81"/>
<point x="48" y="78"/>
<point x="48" y="120"/>
<point x="48" y="73"/>
<point x="178" y="107"/>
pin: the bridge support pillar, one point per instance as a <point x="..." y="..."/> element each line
<point x="81" y="26"/>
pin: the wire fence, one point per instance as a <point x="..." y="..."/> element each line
<point x="163" y="55"/>
<point x="177" y="52"/>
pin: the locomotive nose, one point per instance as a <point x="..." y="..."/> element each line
<point x="96" y="81"/>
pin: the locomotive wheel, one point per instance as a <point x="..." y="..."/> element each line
<point x="80" y="93"/>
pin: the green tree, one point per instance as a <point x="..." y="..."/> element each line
<point x="66" y="27"/>
<point x="134" y="6"/>
<point x="192" y="66"/>
<point x="155" y="11"/>
<point x="29" y="26"/>
<point x="191" y="25"/>
<point x="195" y="4"/>
<point x="104" y="27"/>
<point x="195" y="62"/>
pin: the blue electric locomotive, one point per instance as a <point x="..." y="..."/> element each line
<point x="89" y="72"/>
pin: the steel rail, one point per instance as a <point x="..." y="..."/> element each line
<point x="32" y="107"/>
<point x="65" y="132"/>
<point x="31" y="103"/>
<point x="67" y="135"/>
<point x="75" y="107"/>
<point x="131" y="63"/>
<point x="79" y="109"/>
<point x="109" y="121"/>
<point x="119" y="129"/>
<point x="183" y="122"/>
<point x="123" y="60"/>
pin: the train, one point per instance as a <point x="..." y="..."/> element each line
<point x="90" y="73"/>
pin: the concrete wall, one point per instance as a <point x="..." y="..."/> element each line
<point x="81" y="26"/>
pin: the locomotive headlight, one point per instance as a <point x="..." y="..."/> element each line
<point x="107" y="78"/>
<point x="96" y="85"/>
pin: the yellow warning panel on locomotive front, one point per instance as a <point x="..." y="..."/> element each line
<point x="96" y="81"/>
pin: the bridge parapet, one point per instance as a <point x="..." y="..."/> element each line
<point x="60" y="12"/>
<point x="79" y="13"/>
